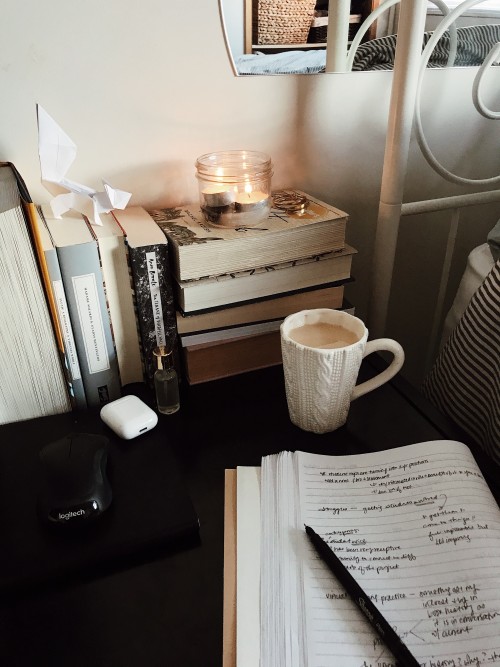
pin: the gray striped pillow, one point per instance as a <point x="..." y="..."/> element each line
<point x="464" y="382"/>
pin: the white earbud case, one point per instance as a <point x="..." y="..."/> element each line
<point x="129" y="417"/>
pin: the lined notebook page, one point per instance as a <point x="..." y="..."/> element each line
<point x="420" y="531"/>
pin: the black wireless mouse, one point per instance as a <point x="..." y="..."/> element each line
<point x="74" y="485"/>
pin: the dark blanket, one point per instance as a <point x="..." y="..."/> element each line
<point x="473" y="45"/>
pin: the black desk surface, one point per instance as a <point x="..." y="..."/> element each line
<point x="168" y="610"/>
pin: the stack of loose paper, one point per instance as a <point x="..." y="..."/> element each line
<point x="417" y="527"/>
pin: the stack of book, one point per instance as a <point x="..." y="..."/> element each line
<point x="234" y="286"/>
<point x="106" y="295"/>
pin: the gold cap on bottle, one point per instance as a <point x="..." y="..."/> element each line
<point x="161" y="352"/>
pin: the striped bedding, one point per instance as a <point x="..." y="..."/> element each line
<point x="473" y="45"/>
<point x="464" y="382"/>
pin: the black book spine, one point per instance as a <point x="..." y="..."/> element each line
<point x="154" y="301"/>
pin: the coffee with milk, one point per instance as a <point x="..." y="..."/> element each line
<point x="322" y="351"/>
<point x="323" y="335"/>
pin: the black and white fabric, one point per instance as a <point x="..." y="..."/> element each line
<point x="464" y="382"/>
<point x="473" y="45"/>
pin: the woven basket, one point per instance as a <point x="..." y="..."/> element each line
<point x="284" y="21"/>
<point x="319" y="29"/>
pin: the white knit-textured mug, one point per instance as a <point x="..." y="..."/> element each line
<point x="320" y="382"/>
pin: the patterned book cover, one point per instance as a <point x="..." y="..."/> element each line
<point x="154" y="300"/>
<point x="201" y="248"/>
<point x="152" y="283"/>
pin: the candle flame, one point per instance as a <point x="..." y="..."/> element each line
<point x="248" y="188"/>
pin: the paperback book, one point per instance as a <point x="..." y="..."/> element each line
<point x="55" y="288"/>
<point x="323" y="269"/>
<point x="83" y="282"/>
<point x="120" y="297"/>
<point x="218" y="353"/>
<point x="33" y="382"/>
<point x="260" y="310"/>
<point x="200" y="249"/>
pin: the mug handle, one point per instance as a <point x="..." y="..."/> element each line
<point x="388" y="345"/>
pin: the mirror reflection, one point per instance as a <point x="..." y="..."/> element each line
<point x="313" y="36"/>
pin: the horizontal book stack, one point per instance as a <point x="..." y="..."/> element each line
<point x="234" y="286"/>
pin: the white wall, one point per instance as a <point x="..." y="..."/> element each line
<point x="144" y="88"/>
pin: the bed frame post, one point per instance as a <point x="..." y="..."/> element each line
<point x="337" y="36"/>
<point x="403" y="97"/>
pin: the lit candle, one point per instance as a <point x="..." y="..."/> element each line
<point x="216" y="195"/>
<point x="250" y="200"/>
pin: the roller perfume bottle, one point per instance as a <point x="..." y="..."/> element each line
<point x="166" y="381"/>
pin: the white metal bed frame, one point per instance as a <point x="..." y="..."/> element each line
<point x="409" y="69"/>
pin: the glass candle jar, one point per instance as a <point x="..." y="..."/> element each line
<point x="234" y="187"/>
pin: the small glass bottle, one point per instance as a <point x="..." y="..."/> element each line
<point x="166" y="382"/>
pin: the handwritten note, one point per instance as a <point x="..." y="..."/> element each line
<point x="419" y="530"/>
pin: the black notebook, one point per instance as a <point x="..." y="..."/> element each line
<point x="151" y="512"/>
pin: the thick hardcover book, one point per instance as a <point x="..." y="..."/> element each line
<point x="416" y="526"/>
<point x="272" y="280"/>
<point x="120" y="297"/>
<point x="222" y="358"/>
<point x="55" y="287"/>
<point x="149" y="261"/>
<point x="200" y="249"/>
<point x="32" y="377"/>
<point x="230" y="333"/>
<point x="263" y="309"/>
<point x="83" y="283"/>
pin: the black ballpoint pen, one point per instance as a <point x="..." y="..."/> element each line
<point x="391" y="639"/>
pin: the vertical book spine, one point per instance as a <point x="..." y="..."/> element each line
<point x="72" y="364"/>
<point x="58" y="306"/>
<point x="154" y="301"/>
<point x="83" y="284"/>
